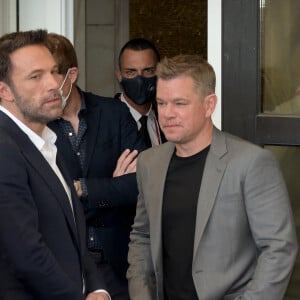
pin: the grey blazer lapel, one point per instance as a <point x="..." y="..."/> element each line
<point x="212" y="175"/>
<point x="156" y="206"/>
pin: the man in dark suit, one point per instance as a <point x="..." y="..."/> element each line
<point x="99" y="142"/>
<point x="42" y="230"/>
<point x="136" y="74"/>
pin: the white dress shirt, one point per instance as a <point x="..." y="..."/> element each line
<point x="45" y="144"/>
<point x="152" y="123"/>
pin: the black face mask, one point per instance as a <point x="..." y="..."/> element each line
<point x="140" y="89"/>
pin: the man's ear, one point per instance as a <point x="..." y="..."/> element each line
<point x="118" y="74"/>
<point x="73" y="74"/>
<point x="5" y="92"/>
<point x="210" y="103"/>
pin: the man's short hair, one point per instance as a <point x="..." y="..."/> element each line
<point x="139" y="44"/>
<point x="11" y="42"/>
<point x="194" y="66"/>
<point x="63" y="52"/>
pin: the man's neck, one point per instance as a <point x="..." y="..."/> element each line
<point x="73" y="105"/>
<point x="72" y="109"/>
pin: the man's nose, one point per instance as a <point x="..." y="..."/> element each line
<point x="53" y="81"/>
<point x="140" y="73"/>
<point x="166" y="111"/>
<point x="169" y="110"/>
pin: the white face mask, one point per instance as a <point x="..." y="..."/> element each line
<point x="65" y="98"/>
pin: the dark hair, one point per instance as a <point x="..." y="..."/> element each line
<point x="139" y="44"/>
<point x="63" y="52"/>
<point x="13" y="41"/>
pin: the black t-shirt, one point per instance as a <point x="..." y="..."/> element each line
<point x="180" y="201"/>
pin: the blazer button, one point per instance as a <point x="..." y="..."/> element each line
<point x="104" y="204"/>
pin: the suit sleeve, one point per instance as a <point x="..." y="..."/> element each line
<point x="23" y="248"/>
<point x="94" y="278"/>
<point x="117" y="191"/>
<point x="140" y="274"/>
<point x="271" y="222"/>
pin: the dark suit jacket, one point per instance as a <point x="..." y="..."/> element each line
<point x="42" y="253"/>
<point x="111" y="203"/>
<point x="117" y="96"/>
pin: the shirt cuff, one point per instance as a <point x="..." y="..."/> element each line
<point x="102" y="291"/>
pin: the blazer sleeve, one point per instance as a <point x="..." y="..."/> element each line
<point x="93" y="276"/>
<point x="140" y="274"/>
<point x="101" y="186"/>
<point x="271" y="223"/>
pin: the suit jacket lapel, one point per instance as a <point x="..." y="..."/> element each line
<point x="41" y="166"/>
<point x="212" y="176"/>
<point x="76" y="213"/>
<point x="160" y="178"/>
<point x="37" y="161"/>
<point x="213" y="172"/>
<point x="92" y="118"/>
<point x="63" y="145"/>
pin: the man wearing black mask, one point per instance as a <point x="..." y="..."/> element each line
<point x="136" y="74"/>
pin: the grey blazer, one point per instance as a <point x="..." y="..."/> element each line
<point x="245" y="242"/>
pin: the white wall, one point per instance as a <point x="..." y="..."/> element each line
<point x="214" y="34"/>
<point x="53" y="15"/>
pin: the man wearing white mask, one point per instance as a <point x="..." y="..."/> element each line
<point x="99" y="142"/>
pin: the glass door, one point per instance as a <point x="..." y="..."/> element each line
<point x="261" y="87"/>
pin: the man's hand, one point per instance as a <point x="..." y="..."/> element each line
<point x="97" y="296"/>
<point x="78" y="188"/>
<point x="126" y="163"/>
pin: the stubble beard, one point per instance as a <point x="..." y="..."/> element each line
<point x="35" y="114"/>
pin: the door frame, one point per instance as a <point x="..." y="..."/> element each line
<point x="241" y="80"/>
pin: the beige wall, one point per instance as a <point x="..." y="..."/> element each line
<point x="99" y="33"/>
<point x="100" y="29"/>
<point x="8" y="16"/>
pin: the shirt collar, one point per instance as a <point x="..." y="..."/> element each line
<point x="136" y="115"/>
<point x="47" y="136"/>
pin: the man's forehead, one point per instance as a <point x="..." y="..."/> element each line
<point x="32" y="56"/>
<point x="146" y="56"/>
<point x="32" y="51"/>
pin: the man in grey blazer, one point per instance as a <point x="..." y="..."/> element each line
<point x="213" y="218"/>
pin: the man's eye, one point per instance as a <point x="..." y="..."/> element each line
<point x="130" y="72"/>
<point x="149" y="71"/>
